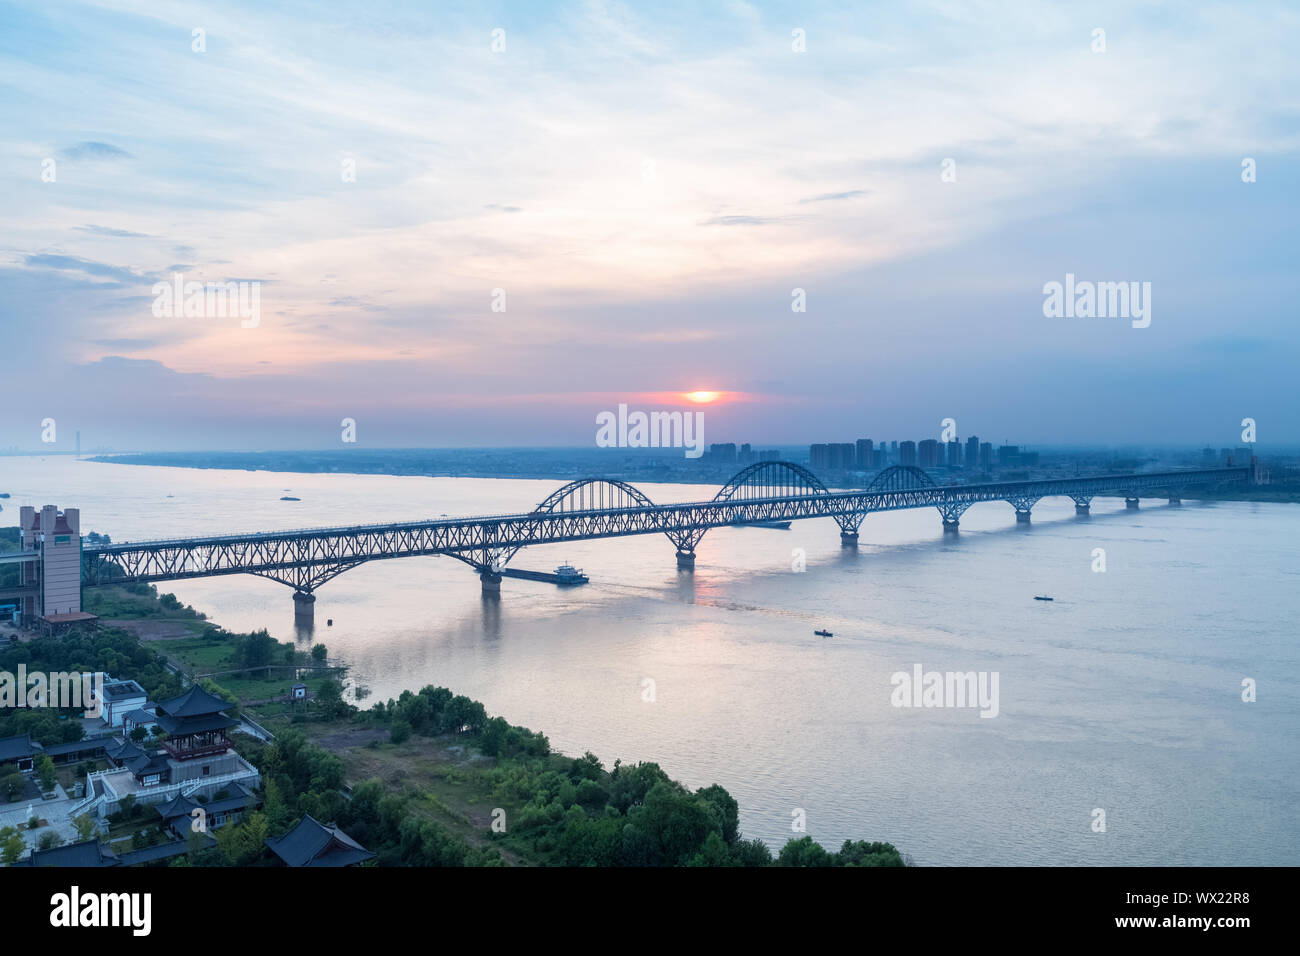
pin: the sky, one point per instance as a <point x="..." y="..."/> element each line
<point x="482" y="224"/>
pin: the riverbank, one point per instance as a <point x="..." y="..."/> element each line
<point x="426" y="779"/>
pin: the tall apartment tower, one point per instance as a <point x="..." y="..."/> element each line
<point x="972" y="451"/>
<point x="56" y="535"/>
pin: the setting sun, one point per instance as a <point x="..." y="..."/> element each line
<point x="702" y="398"/>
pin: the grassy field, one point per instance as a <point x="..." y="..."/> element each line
<point x="451" y="783"/>
<point x="198" y="647"/>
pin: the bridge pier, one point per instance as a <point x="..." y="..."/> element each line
<point x="491" y="581"/>
<point x="1082" y="509"/>
<point x="1022" y="517"/>
<point x="950" y="525"/>
<point x="1131" y="504"/>
<point x="1176" y="502"/>
<point x="304" y="608"/>
<point x="848" y="539"/>
<point x="685" y="560"/>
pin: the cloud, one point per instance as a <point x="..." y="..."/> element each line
<point x="91" y="268"/>
<point x="828" y="197"/>
<point x="116" y="233"/>
<point x="738" y="221"/>
<point x="92" y="150"/>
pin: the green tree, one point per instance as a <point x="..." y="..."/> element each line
<point x="257" y="649"/>
<point x="11" y="845"/>
<point x="319" y="652"/>
<point x="243" y="843"/>
<point x="586" y="767"/>
<point x="45" y="771"/>
<point x="494" y="736"/>
<point x="804" y="852"/>
<point x="863" y="853"/>
<point x="13" y="785"/>
<point x="714" y="852"/>
<point x="85" y="826"/>
<point x="725" y="808"/>
<point x="751" y="853"/>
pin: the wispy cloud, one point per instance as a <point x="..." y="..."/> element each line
<point x="115" y="233"/>
<point x="830" y="197"/>
<point x="93" y="150"/>
<point x="89" y="267"/>
<point x="738" y="221"/>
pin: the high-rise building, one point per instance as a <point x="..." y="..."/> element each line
<point x="722" y="451"/>
<point x="842" y="456"/>
<point x="819" y="456"/>
<point x="54" y="581"/>
<point x="907" y="453"/>
<point x="927" y="453"/>
<point x="746" y="454"/>
<point x="1008" y="455"/>
<point x="865" y="448"/>
<point x="954" y="454"/>
<point x="879" y="457"/>
<point x="986" y="455"/>
<point x="972" y="451"/>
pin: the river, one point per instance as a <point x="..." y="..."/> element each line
<point x="1124" y="694"/>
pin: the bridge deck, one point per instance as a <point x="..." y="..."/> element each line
<point x="307" y="557"/>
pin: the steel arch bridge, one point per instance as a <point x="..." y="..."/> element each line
<point x="901" y="478"/>
<point x="603" y="508"/>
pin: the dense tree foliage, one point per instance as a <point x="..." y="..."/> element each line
<point x="108" y="650"/>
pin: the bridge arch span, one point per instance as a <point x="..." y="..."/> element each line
<point x="590" y="494"/>
<point x="764" y="479"/>
<point x="901" y="478"/>
<point x="770" y="479"/>
<point x="582" y="494"/>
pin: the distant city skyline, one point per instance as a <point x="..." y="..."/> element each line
<point x="454" y="238"/>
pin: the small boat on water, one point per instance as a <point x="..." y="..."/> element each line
<point x="289" y="498"/>
<point x="823" y="633"/>
<point x="1040" y="597"/>
<point x="567" y="575"/>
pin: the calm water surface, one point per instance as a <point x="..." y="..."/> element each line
<point x="1122" y="694"/>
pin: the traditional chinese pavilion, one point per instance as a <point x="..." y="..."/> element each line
<point x="195" y="724"/>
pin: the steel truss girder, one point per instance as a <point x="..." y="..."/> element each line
<point x="480" y="541"/>
<point x="953" y="510"/>
<point x="1024" y="503"/>
<point x="308" y="577"/>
